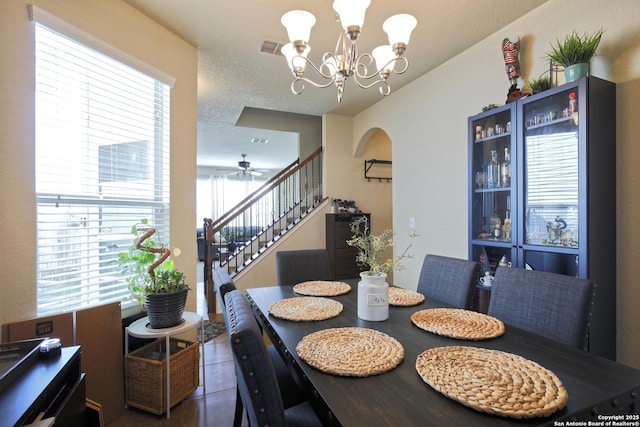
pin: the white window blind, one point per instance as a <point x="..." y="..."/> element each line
<point x="102" y="164"/>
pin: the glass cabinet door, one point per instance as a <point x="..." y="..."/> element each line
<point x="550" y="183"/>
<point x="492" y="204"/>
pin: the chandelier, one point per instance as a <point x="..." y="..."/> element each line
<point x="367" y="69"/>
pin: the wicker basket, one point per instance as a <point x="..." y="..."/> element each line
<point x="145" y="370"/>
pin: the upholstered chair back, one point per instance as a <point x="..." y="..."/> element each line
<point x="548" y="304"/>
<point x="298" y="266"/>
<point x="449" y="280"/>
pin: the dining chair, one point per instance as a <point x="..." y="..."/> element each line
<point x="552" y="305"/>
<point x="298" y="266"/>
<point x="222" y="283"/>
<point x="449" y="280"/>
<point x="255" y="373"/>
<point x="290" y="392"/>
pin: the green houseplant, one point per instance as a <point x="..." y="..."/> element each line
<point x="540" y="84"/>
<point x="575" y="52"/>
<point x="373" y="290"/>
<point x="152" y="277"/>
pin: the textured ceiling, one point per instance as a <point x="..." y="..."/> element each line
<point x="233" y="74"/>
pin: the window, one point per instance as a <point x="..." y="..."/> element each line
<point x="218" y="194"/>
<point x="102" y="164"/>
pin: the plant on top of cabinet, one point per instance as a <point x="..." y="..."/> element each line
<point x="575" y="52"/>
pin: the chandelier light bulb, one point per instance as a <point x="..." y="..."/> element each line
<point x="351" y="13"/>
<point x="384" y="57"/>
<point x="295" y="60"/>
<point x="399" y="28"/>
<point x="298" y="24"/>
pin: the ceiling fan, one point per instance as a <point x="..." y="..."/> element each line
<point x="244" y="168"/>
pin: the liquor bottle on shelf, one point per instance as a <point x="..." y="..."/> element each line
<point x="493" y="171"/>
<point x="505" y="170"/>
<point x="495" y="225"/>
<point x="506" y="227"/>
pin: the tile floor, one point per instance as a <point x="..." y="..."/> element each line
<point x="213" y="408"/>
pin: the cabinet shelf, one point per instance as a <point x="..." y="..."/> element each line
<point x="554" y="248"/>
<point x="491" y="190"/>
<point x="492" y="242"/>
<point x="553" y="122"/>
<point x="493" y="137"/>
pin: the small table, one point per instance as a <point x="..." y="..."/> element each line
<point x="140" y="329"/>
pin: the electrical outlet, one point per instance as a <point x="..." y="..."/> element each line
<point x="412" y="222"/>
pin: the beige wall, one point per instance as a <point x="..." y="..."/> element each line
<point x="344" y="169"/>
<point x="123" y="27"/>
<point x="427" y="124"/>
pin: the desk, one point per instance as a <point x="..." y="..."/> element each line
<point x="54" y="386"/>
<point x="139" y="329"/>
<point x="400" y="398"/>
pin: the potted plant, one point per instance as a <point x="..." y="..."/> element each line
<point x="152" y="277"/>
<point x="373" y="290"/>
<point x="575" y="52"/>
<point x="540" y="84"/>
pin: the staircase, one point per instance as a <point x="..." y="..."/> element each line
<point x="264" y="216"/>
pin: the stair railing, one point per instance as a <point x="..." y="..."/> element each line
<point x="267" y="213"/>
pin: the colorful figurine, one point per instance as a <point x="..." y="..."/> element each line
<point x="510" y="52"/>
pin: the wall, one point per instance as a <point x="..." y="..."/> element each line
<point x="309" y="128"/>
<point x="125" y="28"/>
<point x="344" y="165"/>
<point x="427" y="124"/>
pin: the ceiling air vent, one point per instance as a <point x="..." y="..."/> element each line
<point x="270" y="47"/>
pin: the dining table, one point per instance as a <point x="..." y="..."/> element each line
<point x="600" y="390"/>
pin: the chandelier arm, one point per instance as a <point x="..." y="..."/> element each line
<point x="382" y="81"/>
<point x="299" y="82"/>
<point x="319" y="71"/>
<point x="394" y="61"/>
<point x="361" y="69"/>
<point x="384" y="88"/>
<point x="403" y="69"/>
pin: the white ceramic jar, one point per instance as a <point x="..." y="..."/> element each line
<point x="373" y="297"/>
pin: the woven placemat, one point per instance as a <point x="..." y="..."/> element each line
<point x="322" y="288"/>
<point x="458" y="323"/>
<point x="493" y="381"/>
<point x="351" y="352"/>
<point x="305" y="309"/>
<point x="404" y="297"/>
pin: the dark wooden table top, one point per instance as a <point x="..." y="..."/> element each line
<point x="39" y="386"/>
<point x="596" y="386"/>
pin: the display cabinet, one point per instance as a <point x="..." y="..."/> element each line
<point x="493" y="196"/>
<point x="549" y="204"/>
